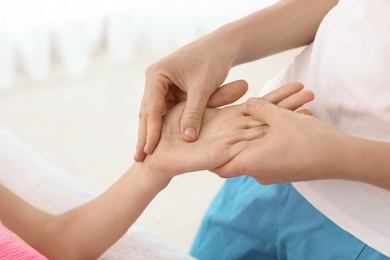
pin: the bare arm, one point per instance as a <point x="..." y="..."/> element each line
<point x="195" y="71"/>
<point x="287" y="24"/>
<point x="362" y="160"/>
<point x="88" y="230"/>
<point x="299" y="148"/>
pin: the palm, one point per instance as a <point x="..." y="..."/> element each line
<point x="225" y="133"/>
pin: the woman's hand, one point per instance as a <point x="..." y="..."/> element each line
<point x="192" y="73"/>
<point x="296" y="147"/>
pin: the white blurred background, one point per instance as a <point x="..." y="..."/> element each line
<point x="71" y="82"/>
<point x="35" y="33"/>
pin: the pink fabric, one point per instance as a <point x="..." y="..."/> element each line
<point x="13" y="247"/>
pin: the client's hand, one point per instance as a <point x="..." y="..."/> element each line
<point x="226" y="132"/>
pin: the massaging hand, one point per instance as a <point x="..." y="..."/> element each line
<point x="226" y="133"/>
<point x="292" y="149"/>
<point x="192" y="73"/>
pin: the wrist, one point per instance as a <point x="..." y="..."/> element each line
<point x="350" y="159"/>
<point x="229" y="43"/>
<point x="366" y="161"/>
<point x="146" y="177"/>
<point x="339" y="157"/>
<point x="330" y="158"/>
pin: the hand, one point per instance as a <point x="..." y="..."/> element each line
<point x="224" y="95"/>
<point x="226" y="133"/>
<point x="192" y="73"/>
<point x="294" y="148"/>
<point x="196" y="71"/>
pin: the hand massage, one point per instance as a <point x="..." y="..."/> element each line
<point x="306" y="163"/>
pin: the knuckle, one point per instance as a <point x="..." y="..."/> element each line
<point x="193" y="115"/>
<point x="141" y="114"/>
<point x="260" y="104"/>
<point x="149" y="70"/>
<point x="224" y="174"/>
<point x="263" y="181"/>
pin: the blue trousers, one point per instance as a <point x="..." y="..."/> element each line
<point x="247" y="220"/>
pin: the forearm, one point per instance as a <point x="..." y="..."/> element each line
<point x="22" y="218"/>
<point x="364" y="160"/>
<point x="285" y="25"/>
<point x="89" y="230"/>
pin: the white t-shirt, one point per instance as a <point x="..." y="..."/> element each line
<point x="348" y="68"/>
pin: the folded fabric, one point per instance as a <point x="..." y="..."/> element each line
<point x="13" y="247"/>
<point x="31" y="177"/>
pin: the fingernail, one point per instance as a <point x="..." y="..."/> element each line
<point x="251" y="101"/>
<point x="190" y="132"/>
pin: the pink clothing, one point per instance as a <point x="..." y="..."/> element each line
<point x="13" y="247"/>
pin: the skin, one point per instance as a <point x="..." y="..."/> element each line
<point x="106" y="218"/>
<point x="298" y="147"/>
<point x="302" y="152"/>
<point x="196" y="71"/>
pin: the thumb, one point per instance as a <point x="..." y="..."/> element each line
<point x="262" y="110"/>
<point x="191" y="118"/>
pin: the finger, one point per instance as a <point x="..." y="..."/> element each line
<point x="283" y="92"/>
<point x="153" y="131"/>
<point x="191" y="118"/>
<point x="154" y="105"/>
<point x="263" y="111"/>
<point x="140" y="154"/>
<point x="254" y="133"/>
<point x="228" y="93"/>
<point x="266" y="112"/>
<point x="297" y="100"/>
<point x="305" y="112"/>
<point x="251" y="122"/>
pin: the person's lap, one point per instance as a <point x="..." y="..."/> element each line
<point x="249" y="221"/>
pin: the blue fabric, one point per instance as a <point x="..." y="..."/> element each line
<point x="249" y="221"/>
